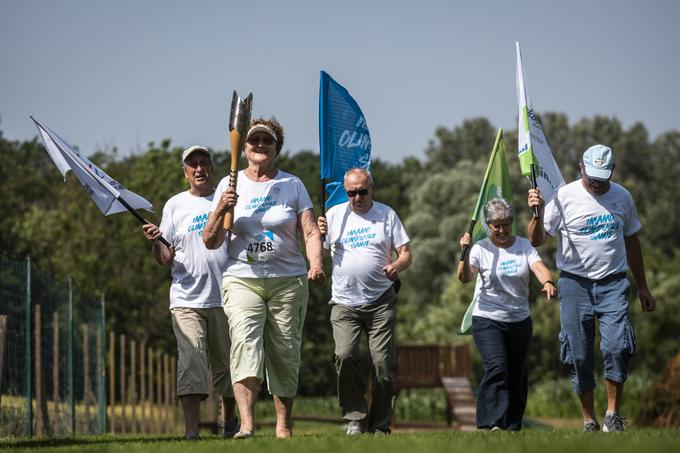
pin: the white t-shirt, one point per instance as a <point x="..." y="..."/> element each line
<point x="504" y="295"/>
<point x="264" y="242"/>
<point x="590" y="229"/>
<point x="196" y="271"/>
<point x="361" y="245"/>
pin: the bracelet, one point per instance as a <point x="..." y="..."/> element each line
<point x="549" y="282"/>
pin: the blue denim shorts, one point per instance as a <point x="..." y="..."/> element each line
<point x="581" y="302"/>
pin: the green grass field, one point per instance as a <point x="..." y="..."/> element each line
<point x="314" y="438"/>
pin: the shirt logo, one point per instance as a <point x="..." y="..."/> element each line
<point x="358" y="237"/>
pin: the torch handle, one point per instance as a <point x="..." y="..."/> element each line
<point x="237" y="140"/>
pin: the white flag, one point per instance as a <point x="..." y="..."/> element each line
<point x="105" y="191"/>
<point x="532" y="145"/>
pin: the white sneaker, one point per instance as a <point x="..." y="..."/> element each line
<point x="614" y="423"/>
<point x="354" y="428"/>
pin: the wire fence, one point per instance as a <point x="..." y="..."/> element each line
<point x="62" y="374"/>
<point x="52" y="355"/>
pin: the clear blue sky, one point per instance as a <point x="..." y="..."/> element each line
<point x="124" y="73"/>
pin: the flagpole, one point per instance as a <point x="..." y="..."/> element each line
<point x="141" y="219"/>
<point x="322" y="144"/>
<point x="323" y="198"/>
<point x="537" y="214"/>
<point x="482" y="190"/>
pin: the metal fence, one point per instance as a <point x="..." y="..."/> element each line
<point x="52" y="355"/>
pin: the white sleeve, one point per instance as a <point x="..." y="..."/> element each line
<point x="475" y="257"/>
<point x="552" y="216"/>
<point x="531" y="253"/>
<point x="327" y="238"/>
<point x="303" y="201"/>
<point x="399" y="236"/>
<point x="631" y="224"/>
<point x="167" y="227"/>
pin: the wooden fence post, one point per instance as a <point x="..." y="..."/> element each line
<point x="3" y="334"/>
<point x="122" y="384"/>
<point x="173" y="388"/>
<point x="152" y="412"/>
<point x="142" y="384"/>
<point x="166" y="374"/>
<point x="55" y="370"/>
<point x="86" y="377"/>
<point x="132" y="387"/>
<point x="101" y="368"/>
<point x="112" y="382"/>
<point x="159" y="393"/>
<point x="101" y="379"/>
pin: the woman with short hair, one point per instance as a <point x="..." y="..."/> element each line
<point x="264" y="286"/>
<point x="501" y="324"/>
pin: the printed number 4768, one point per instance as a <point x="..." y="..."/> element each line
<point x="255" y="247"/>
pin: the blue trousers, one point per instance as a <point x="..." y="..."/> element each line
<point x="582" y="301"/>
<point x="502" y="394"/>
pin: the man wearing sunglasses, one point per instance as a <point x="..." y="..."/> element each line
<point x="364" y="236"/>
<point x="596" y="225"/>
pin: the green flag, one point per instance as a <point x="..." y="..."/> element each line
<point x="496" y="184"/>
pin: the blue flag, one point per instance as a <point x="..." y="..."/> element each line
<point x="344" y="139"/>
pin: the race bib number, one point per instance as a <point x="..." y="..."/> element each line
<point x="261" y="247"/>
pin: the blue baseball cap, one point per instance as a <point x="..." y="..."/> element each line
<point x="598" y="162"/>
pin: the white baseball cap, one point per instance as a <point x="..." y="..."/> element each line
<point x="192" y="149"/>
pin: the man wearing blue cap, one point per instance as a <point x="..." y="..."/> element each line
<point x="596" y="224"/>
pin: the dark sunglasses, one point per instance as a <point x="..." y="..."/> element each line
<point x="354" y="193"/>
<point x="267" y="141"/>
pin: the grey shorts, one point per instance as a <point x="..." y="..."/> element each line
<point x="202" y="342"/>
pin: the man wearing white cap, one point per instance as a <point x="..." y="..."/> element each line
<point x="596" y="225"/>
<point x="198" y="320"/>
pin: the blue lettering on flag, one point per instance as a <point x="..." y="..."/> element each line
<point x="345" y="141"/>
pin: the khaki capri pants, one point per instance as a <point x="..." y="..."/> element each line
<point x="202" y="336"/>
<point x="266" y="316"/>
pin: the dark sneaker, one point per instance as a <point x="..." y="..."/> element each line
<point x="613" y="423"/>
<point x="592" y="426"/>
<point x="231" y="427"/>
<point x="382" y="432"/>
